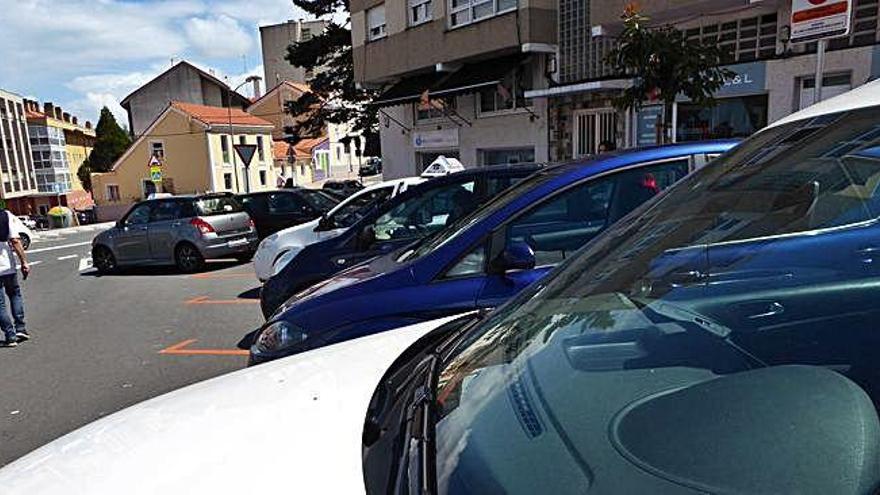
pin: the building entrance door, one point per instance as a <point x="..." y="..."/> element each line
<point x="592" y="127"/>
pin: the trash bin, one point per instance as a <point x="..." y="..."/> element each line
<point x="60" y="217"/>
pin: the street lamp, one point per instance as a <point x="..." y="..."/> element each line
<point x="229" y="91"/>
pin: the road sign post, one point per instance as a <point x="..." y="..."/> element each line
<point x="819" y="21"/>
<point x="156" y="172"/>
<point x="246" y="153"/>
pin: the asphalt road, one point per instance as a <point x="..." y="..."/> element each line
<point x="97" y="341"/>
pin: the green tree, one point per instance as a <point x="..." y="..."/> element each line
<point x="111" y="142"/>
<point x="664" y="63"/>
<point x="84" y="173"/>
<point x="334" y="98"/>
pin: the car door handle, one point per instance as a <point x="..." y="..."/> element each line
<point x="177" y="224"/>
<point x="868" y="253"/>
<point x="761" y="309"/>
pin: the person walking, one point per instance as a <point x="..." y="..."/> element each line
<point x="10" y="241"/>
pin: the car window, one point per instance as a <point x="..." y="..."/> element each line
<point x="281" y="203"/>
<point x="495" y="185"/>
<point x="163" y="211"/>
<point x="355" y="208"/>
<point x="566" y="222"/>
<point x="139" y="215"/>
<point x="217" y="205"/>
<point x="318" y="200"/>
<point x="472" y="263"/>
<point x="427" y="213"/>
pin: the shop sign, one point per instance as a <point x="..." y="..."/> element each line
<point x="646" y="124"/>
<point x="819" y="19"/>
<point x="748" y="78"/>
<point x="443" y="138"/>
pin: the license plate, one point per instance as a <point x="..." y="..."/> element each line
<point x="237" y="243"/>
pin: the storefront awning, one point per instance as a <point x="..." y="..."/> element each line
<point x="584" y="87"/>
<point x="470" y="78"/>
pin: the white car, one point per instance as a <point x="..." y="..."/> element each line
<point x="28" y="221"/>
<point x="25" y="232"/>
<point x="275" y="251"/>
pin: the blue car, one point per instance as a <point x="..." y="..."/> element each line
<point x="420" y="211"/>
<point x="484" y="258"/>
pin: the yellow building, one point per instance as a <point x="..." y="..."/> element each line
<point x="194" y="144"/>
<point x="59" y="146"/>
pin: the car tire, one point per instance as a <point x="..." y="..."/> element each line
<point x="104" y="260"/>
<point x="25" y="240"/>
<point x="188" y="258"/>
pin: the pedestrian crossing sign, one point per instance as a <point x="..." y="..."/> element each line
<point x="156" y="174"/>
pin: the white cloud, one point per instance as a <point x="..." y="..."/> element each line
<point x="218" y="36"/>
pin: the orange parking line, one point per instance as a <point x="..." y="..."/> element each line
<point x="208" y="300"/>
<point x="221" y="275"/>
<point x="179" y="349"/>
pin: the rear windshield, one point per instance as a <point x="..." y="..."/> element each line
<point x="319" y="200"/>
<point x="218" y="205"/>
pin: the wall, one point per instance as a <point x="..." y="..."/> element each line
<point x="271" y="108"/>
<point x="79" y="147"/>
<point x="220" y="168"/>
<point x="274" y="40"/>
<point x="181" y="84"/>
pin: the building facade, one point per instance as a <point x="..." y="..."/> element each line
<point x="59" y="146"/>
<point x="454" y="76"/>
<point x="16" y="164"/>
<point x="194" y="145"/>
<point x="275" y="39"/>
<point x="183" y="82"/>
<point x="773" y="77"/>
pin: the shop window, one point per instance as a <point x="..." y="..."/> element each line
<point x="463" y="12"/>
<point x="508" y="156"/>
<point x="508" y="95"/>
<point x="376" y="23"/>
<point x="420" y="11"/>
<point x="435" y="109"/>
<point x="730" y="117"/>
<point x="832" y="85"/>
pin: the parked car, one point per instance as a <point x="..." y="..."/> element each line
<point x="484" y="258"/>
<point x="343" y="187"/>
<point x="25" y="233"/>
<point x="182" y="230"/>
<point x="422" y="210"/>
<point x="87" y="216"/>
<point x="275" y="251"/>
<point x="276" y="210"/>
<point x="373" y="166"/>
<point x="618" y="372"/>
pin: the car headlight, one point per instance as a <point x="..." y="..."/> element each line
<point x="279" y="336"/>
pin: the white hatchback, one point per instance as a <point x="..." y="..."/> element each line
<point x="278" y="249"/>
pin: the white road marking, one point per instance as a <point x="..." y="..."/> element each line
<point x="69" y="256"/>
<point x="85" y="264"/>
<point x="32" y="263"/>
<point x="55" y="248"/>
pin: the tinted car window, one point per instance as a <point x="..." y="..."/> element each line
<point x="428" y="213"/>
<point x="166" y="210"/>
<point x="139" y="215"/>
<point x="354" y="209"/>
<point x="217" y="205"/>
<point x="280" y="203"/>
<point x="318" y="200"/>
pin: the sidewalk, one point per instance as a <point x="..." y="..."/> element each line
<point x="73" y="230"/>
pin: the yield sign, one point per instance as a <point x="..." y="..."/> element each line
<point x="245" y="152"/>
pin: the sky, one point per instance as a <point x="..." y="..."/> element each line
<point x="85" y="54"/>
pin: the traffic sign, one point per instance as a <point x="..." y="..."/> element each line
<point x="819" y="19"/>
<point x="156" y="174"/>
<point x="245" y="152"/>
<point x="155" y="161"/>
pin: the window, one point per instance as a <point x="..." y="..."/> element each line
<point x="286" y="203"/>
<point x="242" y="140"/>
<point x="591" y="128"/>
<point x="428" y="213"/>
<point x="224" y="145"/>
<point x="376" y="23"/>
<point x="261" y="153"/>
<point x="508" y="95"/>
<point x="157" y="149"/>
<point x="164" y="211"/>
<point x="473" y="263"/>
<point x="140" y="214"/>
<point x="742" y="40"/>
<point x="217" y="205"/>
<point x="306" y="34"/>
<point x="227" y="181"/>
<point x="420" y="11"/>
<point x="730" y="117"/>
<point x="464" y="12"/>
<point x="509" y="156"/>
<point x="262" y="177"/>
<point x="112" y="192"/>
<point x="354" y="208"/>
<point x="832" y="85"/>
<point x="149" y="188"/>
<point x="435" y="109"/>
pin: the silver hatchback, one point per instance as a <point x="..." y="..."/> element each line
<point x="180" y="230"/>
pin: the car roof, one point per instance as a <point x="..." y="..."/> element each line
<point x="866" y="95"/>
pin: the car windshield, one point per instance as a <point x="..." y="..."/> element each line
<point x="217" y="205"/>
<point x="767" y="258"/>
<point x="353" y="209"/>
<point x="318" y="200"/>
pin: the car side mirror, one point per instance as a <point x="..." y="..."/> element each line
<point x="517" y="255"/>
<point x="324" y="223"/>
<point x="366" y="237"/>
<point x="120" y="224"/>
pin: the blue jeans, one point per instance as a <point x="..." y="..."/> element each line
<point x="13" y="292"/>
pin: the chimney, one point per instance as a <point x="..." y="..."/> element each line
<point x="59" y="115"/>
<point x="75" y="120"/>
<point x="66" y="117"/>
<point x="49" y="109"/>
<point x="258" y="92"/>
<point x="88" y="125"/>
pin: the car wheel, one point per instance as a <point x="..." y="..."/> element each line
<point x="25" y="240"/>
<point x="104" y="260"/>
<point x="188" y="258"/>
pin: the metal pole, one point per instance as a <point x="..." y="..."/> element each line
<point x="230" y="143"/>
<point x="820" y="69"/>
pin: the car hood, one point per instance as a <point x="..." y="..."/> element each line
<point x="292" y="425"/>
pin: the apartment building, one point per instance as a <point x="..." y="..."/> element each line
<point x="59" y="146"/>
<point x="454" y="75"/>
<point x="275" y="39"/>
<point x="773" y="77"/>
<point x="16" y="165"/>
<point x="184" y="83"/>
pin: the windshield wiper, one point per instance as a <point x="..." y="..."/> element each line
<point x="415" y="467"/>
